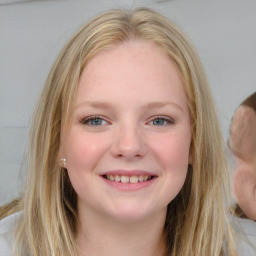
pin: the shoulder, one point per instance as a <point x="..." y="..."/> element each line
<point x="6" y="227"/>
<point x="245" y="236"/>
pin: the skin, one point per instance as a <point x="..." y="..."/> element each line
<point x="243" y="145"/>
<point x="143" y="123"/>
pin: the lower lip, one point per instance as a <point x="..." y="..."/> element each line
<point x="129" y="186"/>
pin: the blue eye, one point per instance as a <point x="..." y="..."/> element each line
<point x="94" y="121"/>
<point x="161" y="121"/>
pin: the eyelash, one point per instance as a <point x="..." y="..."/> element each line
<point x="87" y="120"/>
<point x="167" y="120"/>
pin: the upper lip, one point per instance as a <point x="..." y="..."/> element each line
<point x="129" y="173"/>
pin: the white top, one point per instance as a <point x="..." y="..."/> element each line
<point x="246" y="235"/>
<point x="6" y="227"/>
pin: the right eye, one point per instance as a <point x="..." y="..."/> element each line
<point x="94" y="121"/>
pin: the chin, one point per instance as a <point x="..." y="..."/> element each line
<point x="134" y="212"/>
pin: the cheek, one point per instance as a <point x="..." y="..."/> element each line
<point x="173" y="151"/>
<point x="83" y="151"/>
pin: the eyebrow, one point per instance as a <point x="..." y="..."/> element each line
<point x="94" y="104"/>
<point x="106" y="105"/>
<point x="163" y="104"/>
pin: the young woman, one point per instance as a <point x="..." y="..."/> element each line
<point x="126" y="154"/>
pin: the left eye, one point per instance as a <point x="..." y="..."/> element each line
<point x="160" y="121"/>
<point x="94" y="121"/>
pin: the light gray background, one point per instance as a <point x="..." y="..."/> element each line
<point x="33" y="32"/>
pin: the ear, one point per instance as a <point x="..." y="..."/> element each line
<point x="61" y="156"/>
<point x="190" y="158"/>
<point x="191" y="155"/>
<point x="191" y="149"/>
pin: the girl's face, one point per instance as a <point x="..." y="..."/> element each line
<point x="128" y="146"/>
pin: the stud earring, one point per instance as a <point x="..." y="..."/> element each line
<point x="64" y="161"/>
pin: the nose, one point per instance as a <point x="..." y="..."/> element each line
<point x="129" y="143"/>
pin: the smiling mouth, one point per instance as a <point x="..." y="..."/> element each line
<point x="128" y="179"/>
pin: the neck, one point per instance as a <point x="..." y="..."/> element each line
<point x="106" y="236"/>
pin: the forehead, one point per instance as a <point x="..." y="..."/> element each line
<point x="130" y="52"/>
<point x="244" y="116"/>
<point x="129" y="65"/>
<point x="243" y="126"/>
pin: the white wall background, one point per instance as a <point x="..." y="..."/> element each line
<point x="33" y="32"/>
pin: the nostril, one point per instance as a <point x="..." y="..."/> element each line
<point x="127" y="155"/>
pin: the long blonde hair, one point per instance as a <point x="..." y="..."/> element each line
<point x="196" y="222"/>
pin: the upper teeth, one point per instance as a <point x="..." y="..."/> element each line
<point x="128" y="179"/>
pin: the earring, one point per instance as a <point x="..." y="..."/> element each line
<point x="64" y="161"/>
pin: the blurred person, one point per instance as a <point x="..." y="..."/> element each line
<point x="242" y="142"/>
